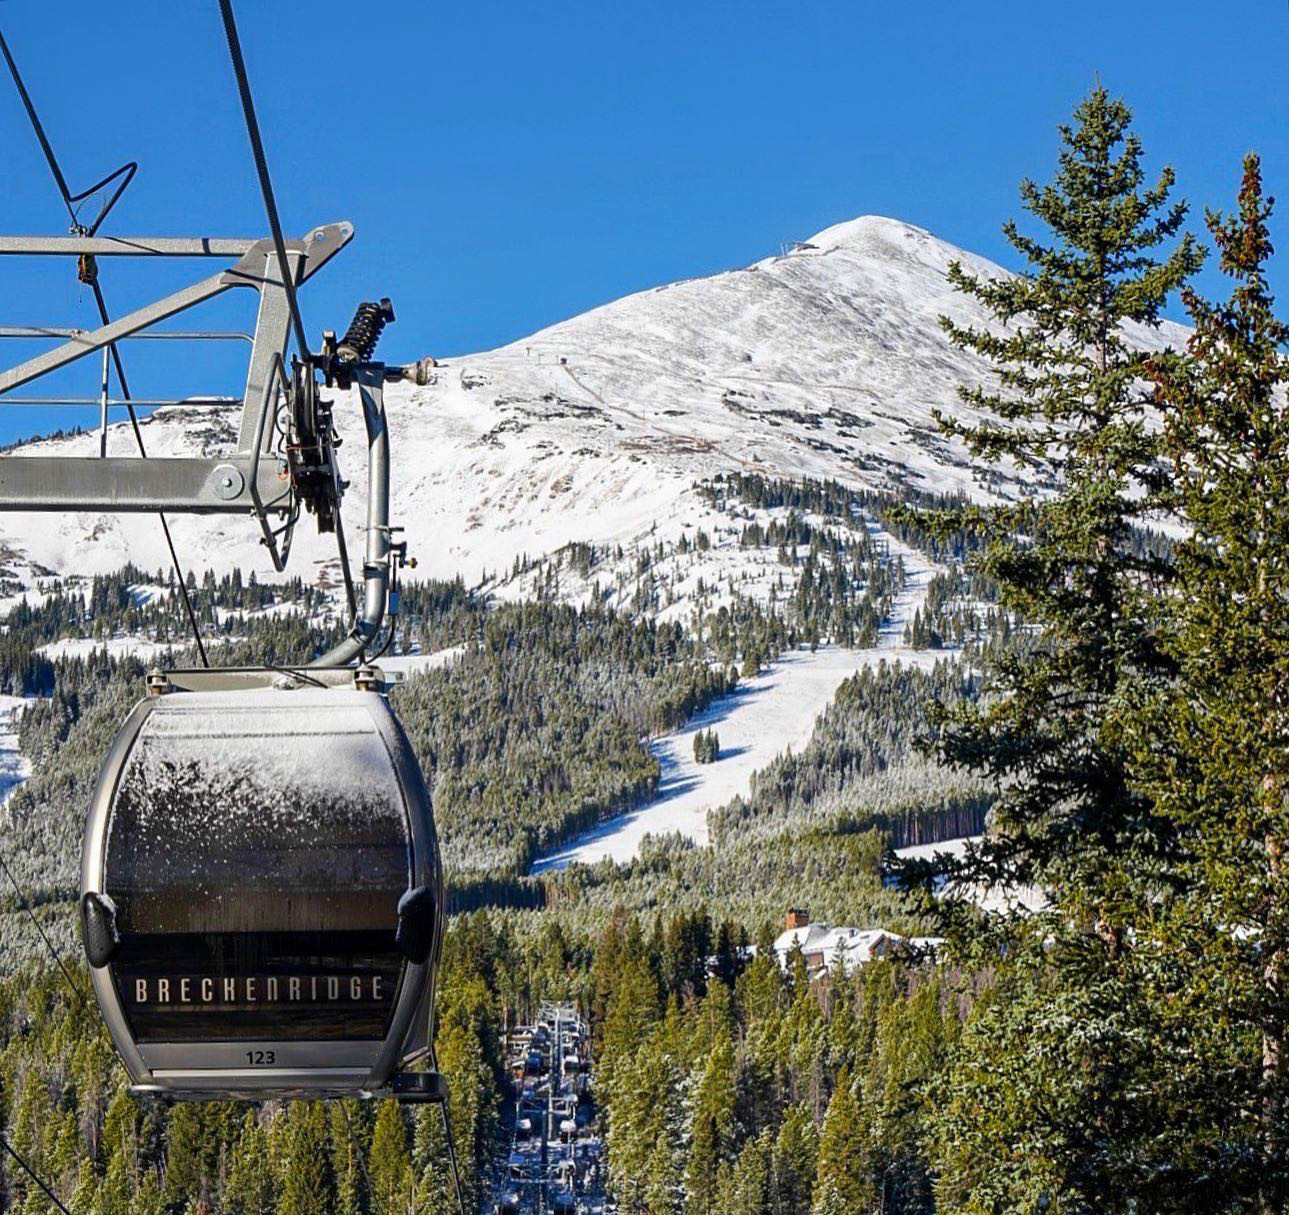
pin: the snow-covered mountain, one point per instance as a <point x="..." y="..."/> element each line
<point x="826" y="361"/>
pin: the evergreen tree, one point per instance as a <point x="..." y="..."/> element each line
<point x="1214" y="748"/>
<point x="118" y="1187"/>
<point x="750" y="1190"/>
<point x="307" y="1186"/>
<point x="843" y="1149"/>
<point x="391" y="1161"/>
<point x="728" y="964"/>
<point x="632" y="1009"/>
<point x="1070" y="402"/>
<point x="707" y="746"/>
<point x="183" y="1152"/>
<point x="250" y="1189"/>
<point x="794" y="1161"/>
<point x="149" y="1198"/>
<point x="87" y="1188"/>
<point x="346" y="1162"/>
<point x="712" y="1130"/>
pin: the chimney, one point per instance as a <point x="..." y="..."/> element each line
<point x="798" y="917"/>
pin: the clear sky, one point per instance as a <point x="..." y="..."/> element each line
<point x="509" y="164"/>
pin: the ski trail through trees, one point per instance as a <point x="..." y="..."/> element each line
<point x="763" y="717"/>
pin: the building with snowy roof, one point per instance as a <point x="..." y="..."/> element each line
<point x="825" y="946"/>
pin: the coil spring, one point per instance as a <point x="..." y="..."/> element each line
<point x="359" y="342"/>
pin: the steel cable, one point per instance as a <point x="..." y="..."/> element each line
<point x="68" y="199"/>
<point x="138" y="438"/>
<point x="279" y="243"/>
<point x="343" y="551"/>
<point x="126" y="172"/>
<point x="447" y="1133"/>
<point x="25" y="903"/>
<point x="26" y="1168"/>
<point x="262" y="169"/>
<point x="362" y="1159"/>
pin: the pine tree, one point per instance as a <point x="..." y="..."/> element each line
<point x="750" y="1191"/>
<point x="843" y="1152"/>
<point x="391" y="1163"/>
<point x="346" y="1156"/>
<point x="794" y="1161"/>
<point x="1070" y="400"/>
<point x="183" y="1153"/>
<point x="728" y="959"/>
<point x="632" y="1009"/>
<point x="1071" y="405"/>
<point x="307" y="1186"/>
<point x="250" y="1189"/>
<point x="87" y="1190"/>
<point x="830" y="1201"/>
<point x="149" y="1198"/>
<point x="662" y="1178"/>
<point x="1215" y="750"/>
<point x="118" y="1186"/>
<point x="707" y="746"/>
<point x="713" y="1129"/>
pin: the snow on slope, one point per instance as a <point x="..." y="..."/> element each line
<point x="15" y="767"/>
<point x="824" y="362"/>
<point x="118" y="647"/>
<point x="762" y="718"/>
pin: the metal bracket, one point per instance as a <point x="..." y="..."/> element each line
<point x="201" y="486"/>
<point x="253" y="479"/>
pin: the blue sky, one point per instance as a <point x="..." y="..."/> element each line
<point x="508" y="165"/>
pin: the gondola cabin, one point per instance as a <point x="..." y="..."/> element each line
<point x="261" y="893"/>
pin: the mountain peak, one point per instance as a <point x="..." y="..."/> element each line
<point x="866" y="230"/>
<point x="828" y="362"/>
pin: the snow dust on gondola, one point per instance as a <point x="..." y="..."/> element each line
<point x="262" y="888"/>
<point x="556" y="1164"/>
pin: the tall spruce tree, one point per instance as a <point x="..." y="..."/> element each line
<point x="841" y="1183"/>
<point x="750" y="1189"/>
<point x="793" y="1162"/>
<point x="250" y="1187"/>
<point x="307" y="1184"/>
<point x="712" y="1129"/>
<point x="1068" y="339"/>
<point x="1071" y="404"/>
<point x="390" y="1166"/>
<point x="1214" y="753"/>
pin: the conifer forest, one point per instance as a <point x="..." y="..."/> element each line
<point x="1078" y="1006"/>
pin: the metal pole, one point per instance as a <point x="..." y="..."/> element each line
<point x="370" y="380"/>
<point x="102" y="408"/>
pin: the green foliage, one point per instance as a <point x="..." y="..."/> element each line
<point x="1212" y="746"/>
<point x="63" y="1105"/>
<point x="1069" y="993"/>
<point x="707" y="747"/>
<point x="835" y="867"/>
<point x="842" y="1142"/>
<point x="769" y="1096"/>
<point x="1070" y="398"/>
